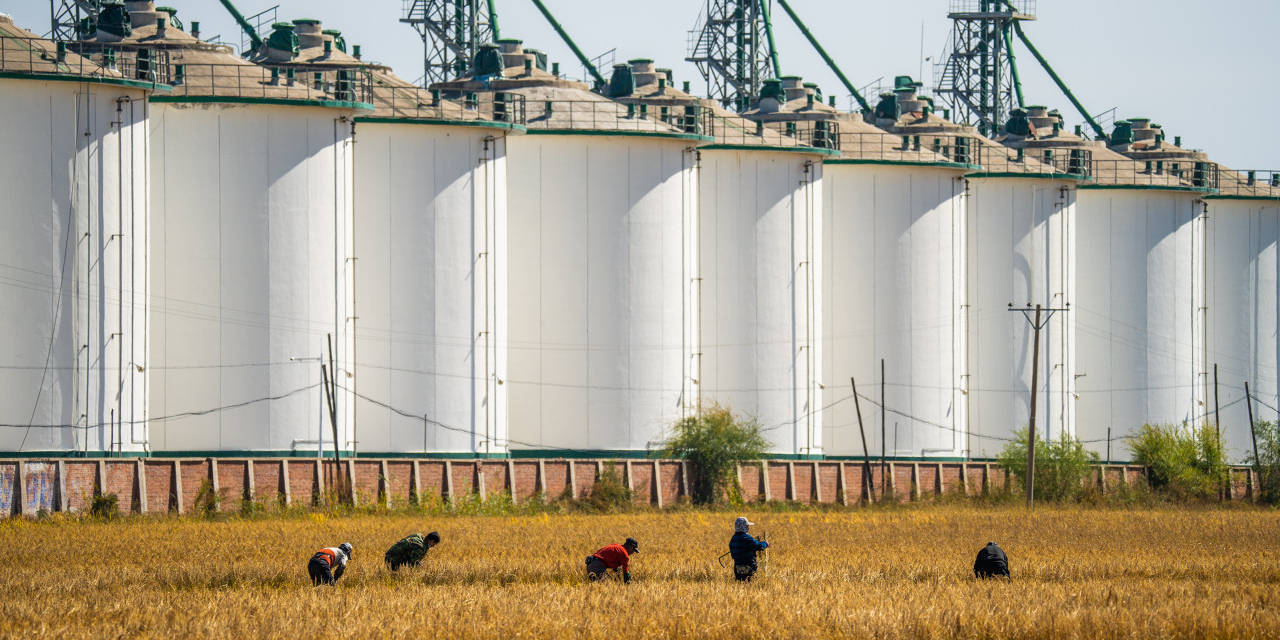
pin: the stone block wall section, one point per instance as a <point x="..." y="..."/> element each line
<point x="152" y="485"/>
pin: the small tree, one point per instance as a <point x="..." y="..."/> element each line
<point x="714" y="442"/>
<point x="1268" y="461"/>
<point x="1182" y="461"/>
<point x="1061" y="465"/>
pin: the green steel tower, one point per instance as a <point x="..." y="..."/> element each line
<point x="72" y="19"/>
<point x="977" y="78"/>
<point x="451" y="31"/>
<point x="732" y="46"/>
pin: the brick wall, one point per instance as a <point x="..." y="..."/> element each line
<point x="28" y="486"/>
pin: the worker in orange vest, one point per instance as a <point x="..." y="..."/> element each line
<point x="328" y="564"/>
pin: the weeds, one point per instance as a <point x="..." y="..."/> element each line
<point x="1061" y="466"/>
<point x="1184" y="462"/>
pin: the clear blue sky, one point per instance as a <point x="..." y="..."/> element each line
<point x="1202" y="69"/>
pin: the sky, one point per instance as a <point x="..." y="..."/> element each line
<point x="1199" y="68"/>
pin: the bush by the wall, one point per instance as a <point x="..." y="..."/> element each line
<point x="1267" y="461"/>
<point x="714" y="442"/>
<point x="1061" y="465"/>
<point x="1184" y="462"/>
<point x="608" y="494"/>
<point x="106" y="506"/>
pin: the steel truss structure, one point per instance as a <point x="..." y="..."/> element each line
<point x="729" y="48"/>
<point x="976" y="78"/>
<point x="451" y="31"/>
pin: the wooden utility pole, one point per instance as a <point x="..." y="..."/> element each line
<point x="1038" y="322"/>
<point x="867" y="486"/>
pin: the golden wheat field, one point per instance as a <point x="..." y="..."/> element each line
<point x="897" y="573"/>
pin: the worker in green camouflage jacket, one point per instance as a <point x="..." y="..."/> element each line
<point x="411" y="549"/>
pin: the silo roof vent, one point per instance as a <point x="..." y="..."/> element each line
<point x="114" y="22"/>
<point x="310" y="32"/>
<point x="622" y="83"/>
<point x="283" y="43"/>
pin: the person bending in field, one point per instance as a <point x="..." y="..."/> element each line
<point x="328" y="564"/>
<point x="616" y="557"/>
<point x="991" y="562"/>
<point x="410" y="550"/>
<point x="743" y="547"/>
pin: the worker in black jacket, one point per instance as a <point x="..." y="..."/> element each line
<point x="744" y="547"/>
<point x="991" y="562"/>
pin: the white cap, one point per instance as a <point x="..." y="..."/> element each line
<point x="742" y="523"/>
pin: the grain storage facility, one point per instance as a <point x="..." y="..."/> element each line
<point x="1243" y="297"/>
<point x="894" y="280"/>
<point x="1139" y="310"/>
<point x="430" y="220"/>
<point x="1020" y="212"/>
<point x="601" y="214"/>
<point x="251" y="192"/>
<point x="74" y="239"/>
<point x="758" y="244"/>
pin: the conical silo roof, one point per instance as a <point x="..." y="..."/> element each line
<point x="504" y="72"/>
<point x="203" y="70"/>
<point x="23" y="52"/>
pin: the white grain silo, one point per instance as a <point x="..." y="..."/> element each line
<point x="1243" y="299"/>
<point x="74" y="243"/>
<point x="251" y="244"/>
<point x="893" y="242"/>
<point x="758" y="266"/>
<point x="894" y="274"/>
<point x="430" y="276"/>
<point x="601" y="211"/>
<point x="1021" y="211"/>
<point x="1139" y="310"/>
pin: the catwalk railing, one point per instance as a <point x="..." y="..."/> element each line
<point x="38" y="56"/>
<point x="1254" y="183"/>
<point x="171" y="485"/>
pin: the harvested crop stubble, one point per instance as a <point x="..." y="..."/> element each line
<point x="897" y="573"/>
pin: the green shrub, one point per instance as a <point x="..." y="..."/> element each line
<point x="715" y="442"/>
<point x="1182" y="462"/>
<point x="1061" y="465"/>
<point x="106" y="506"/>
<point x="206" y="502"/>
<point x="608" y="494"/>
<point x="1267" y="461"/>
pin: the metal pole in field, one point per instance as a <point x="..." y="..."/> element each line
<point x="1248" y="401"/>
<point x="1108" y="445"/>
<point x="883" y="413"/>
<point x="867" y="485"/>
<point x="1217" y="420"/>
<point x="1038" y="322"/>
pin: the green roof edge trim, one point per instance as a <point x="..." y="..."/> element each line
<point x="1039" y="176"/>
<point x="1228" y="196"/>
<point x="287" y="102"/>
<point x="815" y="151"/>
<point x="56" y="77"/>
<point x="1147" y="187"/>
<point x="487" y="124"/>
<point x="632" y="134"/>
<point x="907" y="163"/>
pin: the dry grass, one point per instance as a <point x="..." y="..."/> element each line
<point x="887" y="573"/>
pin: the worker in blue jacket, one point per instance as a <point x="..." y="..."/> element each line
<point x="744" y="548"/>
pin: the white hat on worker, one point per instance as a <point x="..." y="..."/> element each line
<point x="742" y="523"/>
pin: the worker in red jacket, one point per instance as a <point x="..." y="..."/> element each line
<point x="616" y="557"/>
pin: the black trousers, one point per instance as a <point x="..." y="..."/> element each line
<point x="318" y="569"/>
<point x="744" y="572"/>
